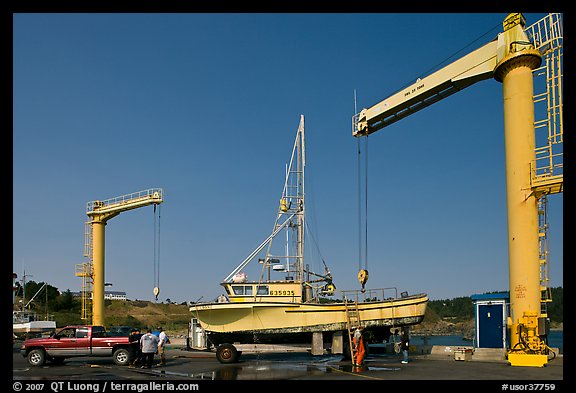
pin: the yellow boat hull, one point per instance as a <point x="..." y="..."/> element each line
<point x="285" y="318"/>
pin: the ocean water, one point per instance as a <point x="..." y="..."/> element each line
<point x="555" y="340"/>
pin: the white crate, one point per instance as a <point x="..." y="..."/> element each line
<point x="463" y="354"/>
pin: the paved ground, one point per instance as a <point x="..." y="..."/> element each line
<point x="202" y="365"/>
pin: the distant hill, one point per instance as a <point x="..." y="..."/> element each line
<point x="446" y="316"/>
<point x="148" y="314"/>
<point x="136" y="313"/>
<point x="462" y="308"/>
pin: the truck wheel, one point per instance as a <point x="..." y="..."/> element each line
<point x="37" y="357"/>
<point x="227" y="353"/>
<point x="121" y="357"/>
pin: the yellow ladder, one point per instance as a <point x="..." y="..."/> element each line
<point x="353" y="322"/>
<point x="84" y="270"/>
<point x="544" y="255"/>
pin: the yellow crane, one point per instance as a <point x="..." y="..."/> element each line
<point x="92" y="271"/>
<point x="531" y="173"/>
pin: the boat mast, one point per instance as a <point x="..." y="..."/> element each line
<point x="292" y="203"/>
<point x="290" y="217"/>
<point x="301" y="163"/>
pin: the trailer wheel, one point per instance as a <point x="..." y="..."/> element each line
<point x="227" y="353"/>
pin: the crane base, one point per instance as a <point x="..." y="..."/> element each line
<point x="527" y="360"/>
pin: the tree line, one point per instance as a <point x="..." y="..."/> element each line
<point x="462" y="308"/>
<point x="457" y="309"/>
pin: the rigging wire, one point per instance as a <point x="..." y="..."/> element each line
<point x="311" y="235"/>
<point x="447" y="59"/>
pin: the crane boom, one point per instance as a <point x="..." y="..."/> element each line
<point x="125" y="202"/>
<point x="474" y="67"/>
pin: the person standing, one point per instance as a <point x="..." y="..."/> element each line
<point x="162" y="341"/>
<point x="405" y="343"/>
<point x="360" y="351"/>
<point x="134" y="340"/>
<point x="149" y="347"/>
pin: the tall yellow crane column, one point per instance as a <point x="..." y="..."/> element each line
<point x="100" y="212"/>
<point x="510" y="59"/>
<point x="514" y="70"/>
<point x="98" y="222"/>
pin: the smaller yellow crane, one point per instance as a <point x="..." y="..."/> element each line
<point x="100" y="212"/>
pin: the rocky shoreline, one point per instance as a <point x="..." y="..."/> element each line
<point x="445" y="328"/>
<point x="465" y="329"/>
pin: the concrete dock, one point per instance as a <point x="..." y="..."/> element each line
<point x="271" y="364"/>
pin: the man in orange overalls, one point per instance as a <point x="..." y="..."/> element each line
<point x="359" y="346"/>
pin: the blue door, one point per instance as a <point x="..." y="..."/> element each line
<point x="490" y="326"/>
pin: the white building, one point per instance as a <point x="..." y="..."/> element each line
<point x="108" y="295"/>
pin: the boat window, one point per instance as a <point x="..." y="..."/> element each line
<point x="262" y="290"/>
<point x="242" y="289"/>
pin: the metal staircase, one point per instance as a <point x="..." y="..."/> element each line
<point x="547" y="169"/>
<point x="544" y="255"/>
<point x="84" y="270"/>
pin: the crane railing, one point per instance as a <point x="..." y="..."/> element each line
<point x="126" y="202"/>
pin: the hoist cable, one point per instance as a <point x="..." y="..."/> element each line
<point x="359" y="209"/>
<point x="362" y="246"/>
<point x="154" y="245"/>
<point x="363" y="204"/>
<point x="359" y="175"/>
<point x="156" y="248"/>
<point x="366" y="206"/>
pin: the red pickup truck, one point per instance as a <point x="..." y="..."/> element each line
<point x="76" y="341"/>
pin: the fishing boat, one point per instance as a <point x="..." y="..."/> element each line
<point x="26" y="322"/>
<point x="29" y="323"/>
<point x="289" y="302"/>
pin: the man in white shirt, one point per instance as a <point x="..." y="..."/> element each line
<point x="163" y="340"/>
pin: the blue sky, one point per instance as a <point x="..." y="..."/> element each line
<point x="206" y="106"/>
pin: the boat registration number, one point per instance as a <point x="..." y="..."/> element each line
<point x="282" y="292"/>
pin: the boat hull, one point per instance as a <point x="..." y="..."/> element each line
<point x="33" y="327"/>
<point x="278" y="322"/>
